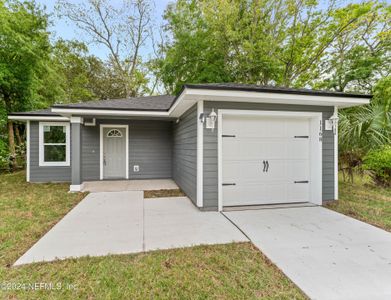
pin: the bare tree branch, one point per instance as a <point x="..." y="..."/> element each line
<point x="122" y="31"/>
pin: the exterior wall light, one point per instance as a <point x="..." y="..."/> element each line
<point x="213" y="116"/>
<point x="202" y="117"/>
<point x="332" y="123"/>
<point x="210" y="119"/>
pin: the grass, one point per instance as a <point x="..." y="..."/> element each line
<point x="364" y="201"/>
<point x="27" y="211"/>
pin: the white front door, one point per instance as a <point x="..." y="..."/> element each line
<point x="265" y="160"/>
<point x="114" y="152"/>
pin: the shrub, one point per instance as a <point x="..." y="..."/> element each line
<point x="378" y="162"/>
<point x="4" y="155"/>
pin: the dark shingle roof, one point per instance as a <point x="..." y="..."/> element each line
<point x="164" y="102"/>
<point x="149" y="103"/>
<point x="271" y="89"/>
<point x="38" y="113"/>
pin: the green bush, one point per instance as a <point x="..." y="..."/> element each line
<point x="4" y="155"/>
<point x="378" y="162"/>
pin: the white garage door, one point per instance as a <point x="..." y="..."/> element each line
<point x="265" y="160"/>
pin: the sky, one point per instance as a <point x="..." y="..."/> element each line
<point x="67" y="30"/>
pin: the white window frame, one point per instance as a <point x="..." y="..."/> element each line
<point x="42" y="162"/>
<point x="114" y="136"/>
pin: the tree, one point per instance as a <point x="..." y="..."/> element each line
<point x="277" y="42"/>
<point x="122" y="31"/>
<point x="361" y="55"/>
<point x="82" y="76"/>
<point x="70" y="59"/>
<point x="24" y="48"/>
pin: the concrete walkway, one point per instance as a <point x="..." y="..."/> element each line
<point x="129" y="185"/>
<point x="123" y="222"/>
<point x="328" y="255"/>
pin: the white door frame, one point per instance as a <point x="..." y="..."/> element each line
<point x="102" y="126"/>
<point x="315" y="147"/>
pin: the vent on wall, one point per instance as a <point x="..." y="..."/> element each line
<point x="89" y="122"/>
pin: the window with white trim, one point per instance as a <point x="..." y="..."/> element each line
<point x="54" y="144"/>
<point x="114" y="133"/>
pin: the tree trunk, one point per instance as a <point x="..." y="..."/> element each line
<point x="17" y="133"/>
<point x="11" y="143"/>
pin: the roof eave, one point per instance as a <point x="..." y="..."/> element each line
<point x="189" y="96"/>
<point x="276" y="90"/>
<point x="35" y="117"/>
<point x="109" y="112"/>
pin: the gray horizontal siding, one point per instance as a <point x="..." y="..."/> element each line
<point x="185" y="153"/>
<point x="90" y="168"/>
<point x="210" y="147"/>
<point x="150" y="147"/>
<point x="44" y="174"/>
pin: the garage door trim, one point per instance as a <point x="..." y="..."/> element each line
<point x="315" y="152"/>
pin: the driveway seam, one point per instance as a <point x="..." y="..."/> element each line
<point x="236" y="226"/>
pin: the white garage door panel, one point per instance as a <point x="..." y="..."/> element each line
<point x="253" y="194"/>
<point x="252" y="126"/>
<point x="298" y="192"/>
<point x="252" y="148"/>
<point x="252" y="171"/>
<point x="298" y="149"/>
<point x="297" y="170"/>
<point x="247" y="171"/>
<point x="297" y="127"/>
<point x="283" y="142"/>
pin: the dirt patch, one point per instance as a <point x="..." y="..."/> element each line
<point x="164" y="193"/>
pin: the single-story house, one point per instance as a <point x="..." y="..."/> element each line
<point x="223" y="144"/>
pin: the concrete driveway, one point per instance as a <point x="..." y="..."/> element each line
<point x="124" y="222"/>
<point x="328" y="255"/>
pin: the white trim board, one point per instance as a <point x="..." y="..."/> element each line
<point x="109" y="112"/>
<point x="190" y="96"/>
<point x="78" y="120"/>
<point x="336" y="192"/>
<point x="66" y="163"/>
<point x="76" y="188"/>
<point x="28" y="132"/>
<point x="37" y="118"/>
<point x="101" y="147"/>
<point x="315" y="148"/>
<point x="200" y="155"/>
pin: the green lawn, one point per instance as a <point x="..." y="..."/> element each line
<point x="27" y="211"/>
<point x="364" y="201"/>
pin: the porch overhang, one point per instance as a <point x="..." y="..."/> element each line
<point x="25" y="118"/>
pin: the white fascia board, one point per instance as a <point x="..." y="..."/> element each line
<point x="200" y="155"/>
<point x="109" y="112"/>
<point x="278" y="98"/>
<point x="37" y="118"/>
<point x="336" y="183"/>
<point x="78" y="120"/>
<point x="28" y="151"/>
